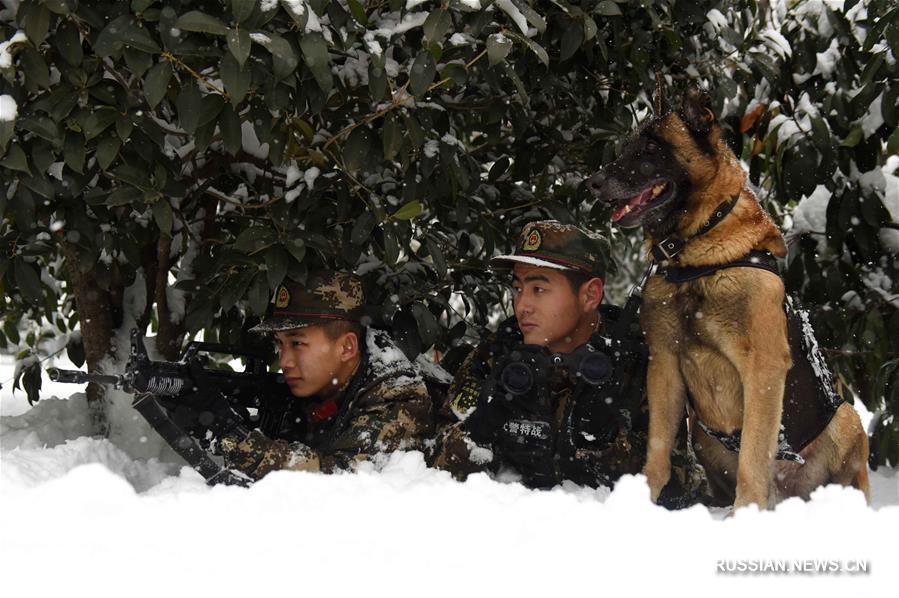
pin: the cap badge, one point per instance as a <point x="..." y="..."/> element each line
<point x="533" y="241"/>
<point x="282" y="299"/>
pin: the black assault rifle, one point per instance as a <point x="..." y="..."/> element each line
<point x="186" y="397"/>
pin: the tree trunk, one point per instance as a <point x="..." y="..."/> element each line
<point x="170" y="336"/>
<point x="95" y="313"/>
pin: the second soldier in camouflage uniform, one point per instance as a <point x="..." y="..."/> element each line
<point x="577" y="408"/>
<point x="360" y="396"/>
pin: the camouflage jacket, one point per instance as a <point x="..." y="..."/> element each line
<point x="577" y="454"/>
<point x="384" y="407"/>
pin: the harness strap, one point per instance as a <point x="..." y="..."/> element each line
<point x="731" y="442"/>
<point x="763" y="260"/>
<point x="669" y="247"/>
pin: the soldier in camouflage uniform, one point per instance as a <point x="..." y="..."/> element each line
<point x="360" y="396"/>
<point x="558" y="391"/>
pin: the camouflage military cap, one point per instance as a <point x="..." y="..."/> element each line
<point x="327" y="295"/>
<point x="551" y="244"/>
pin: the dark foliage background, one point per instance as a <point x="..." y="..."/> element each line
<point x="171" y="162"/>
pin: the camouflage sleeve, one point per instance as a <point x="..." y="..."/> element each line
<point x="462" y="396"/>
<point x="454" y="451"/>
<point x="393" y="415"/>
<point x="256" y="455"/>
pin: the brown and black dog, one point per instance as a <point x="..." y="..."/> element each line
<point x="718" y="337"/>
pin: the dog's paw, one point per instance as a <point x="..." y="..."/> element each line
<point x="657" y="480"/>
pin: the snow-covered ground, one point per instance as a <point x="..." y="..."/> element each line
<point x="120" y="516"/>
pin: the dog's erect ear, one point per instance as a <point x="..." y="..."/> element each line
<point x="696" y="110"/>
<point x="660" y="97"/>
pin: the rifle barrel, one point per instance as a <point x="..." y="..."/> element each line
<point x="79" y="377"/>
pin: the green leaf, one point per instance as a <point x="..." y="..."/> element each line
<point x="437" y="24"/>
<point x="362" y="228"/>
<point x="377" y="79"/>
<point x="42" y="127"/>
<point x="138" y="62"/>
<point x="315" y="55"/>
<point x="358" y="12"/>
<point x="235" y="288"/>
<point x="437" y="257"/>
<point x="68" y="43"/>
<point x="162" y="214"/>
<point x="73" y="152"/>
<point x="392" y="137"/>
<point x="423" y="70"/>
<point x="893" y="142"/>
<point x="284" y="59"/>
<point x="139" y="6"/>
<point x="258" y="295"/>
<point x="533" y="46"/>
<point x="571" y="41"/>
<point x="188" y="104"/>
<point x="296" y="248"/>
<point x="58" y="6"/>
<point x="498" y="47"/>
<point x="590" y="28"/>
<point x="7" y="132"/>
<point x="37" y="24"/>
<point x="210" y="107"/>
<point x="200" y="22"/>
<point x="15" y="159"/>
<point x="36" y="72"/>
<point x="854" y="137"/>
<point x="608" y="8"/>
<point x="156" y="83"/>
<point x="242" y="9"/>
<point x="240" y="44"/>
<point x="254" y="238"/>
<point x="820" y="133"/>
<point x="391" y="245"/>
<point x="107" y="150"/>
<point x="519" y="85"/>
<point x="276" y="262"/>
<point x="237" y="79"/>
<point x="123" y="126"/>
<point x="531" y="15"/>
<point x="358" y="149"/>
<point x="28" y="281"/>
<point x="123" y="195"/>
<point x="428" y="327"/>
<point x="229" y="125"/>
<point x="138" y="38"/>
<point x="75" y="350"/>
<point x="409" y="211"/>
<point x="109" y="41"/>
<point x="873" y="211"/>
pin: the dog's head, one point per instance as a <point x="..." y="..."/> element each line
<point x="668" y="157"/>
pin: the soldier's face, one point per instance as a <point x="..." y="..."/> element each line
<point x="312" y="363"/>
<point x="549" y="311"/>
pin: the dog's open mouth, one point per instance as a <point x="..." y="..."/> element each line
<point x="637" y="203"/>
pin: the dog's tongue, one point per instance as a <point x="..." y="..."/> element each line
<point x="630" y="204"/>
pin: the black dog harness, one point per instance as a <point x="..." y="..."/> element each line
<point x="802" y="419"/>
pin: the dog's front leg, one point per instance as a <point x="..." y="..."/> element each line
<point x="666" y="391"/>
<point x="763" y="360"/>
<point x="763" y="387"/>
